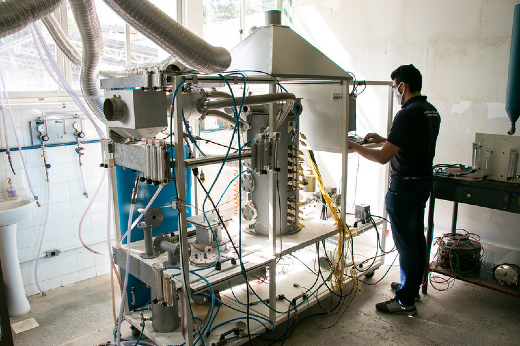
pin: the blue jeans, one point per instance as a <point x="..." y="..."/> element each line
<point x="405" y="204"/>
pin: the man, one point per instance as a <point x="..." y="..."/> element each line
<point x="410" y="148"/>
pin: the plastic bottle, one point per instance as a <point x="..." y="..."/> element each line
<point x="486" y="265"/>
<point x="11" y="191"/>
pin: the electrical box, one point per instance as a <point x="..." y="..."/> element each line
<point x="362" y="213"/>
<point x="136" y="113"/>
<point x="495" y="157"/>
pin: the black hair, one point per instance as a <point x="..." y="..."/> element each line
<point x="408" y="74"/>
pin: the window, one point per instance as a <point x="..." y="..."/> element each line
<point x="23" y="70"/>
<point x="21" y="65"/>
<point x="223" y="18"/>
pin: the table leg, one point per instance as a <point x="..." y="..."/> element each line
<point x="454" y="217"/>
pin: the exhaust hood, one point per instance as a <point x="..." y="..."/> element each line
<point x="281" y="52"/>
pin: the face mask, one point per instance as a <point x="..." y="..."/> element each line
<point x="398" y="95"/>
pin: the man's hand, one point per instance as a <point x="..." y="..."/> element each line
<point x="374" y="138"/>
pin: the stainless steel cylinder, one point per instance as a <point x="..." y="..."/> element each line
<point x="273" y="17"/>
<point x="165" y="319"/>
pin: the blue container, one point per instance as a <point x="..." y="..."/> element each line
<point x="125" y="183"/>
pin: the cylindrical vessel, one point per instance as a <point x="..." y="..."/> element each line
<point x="165" y="319"/>
<point x="513" y="79"/>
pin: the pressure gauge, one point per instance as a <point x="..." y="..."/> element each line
<point x="41" y="128"/>
<point x="76" y="126"/>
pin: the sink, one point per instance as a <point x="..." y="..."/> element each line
<point x="10" y="213"/>
<point x="13" y="211"/>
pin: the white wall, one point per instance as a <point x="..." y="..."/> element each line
<point x="67" y="205"/>
<point x="462" y="50"/>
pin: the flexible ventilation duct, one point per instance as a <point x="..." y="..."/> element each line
<point x="17" y="14"/>
<point x="190" y="49"/>
<point x="61" y="39"/>
<point x="139" y="69"/>
<point x="84" y="12"/>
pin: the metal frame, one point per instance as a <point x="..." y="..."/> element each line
<point x="271" y="244"/>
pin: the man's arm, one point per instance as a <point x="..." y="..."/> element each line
<point x="382" y="156"/>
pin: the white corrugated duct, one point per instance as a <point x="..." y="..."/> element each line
<point x="17" y="14"/>
<point x="189" y="48"/>
<point x="84" y="12"/>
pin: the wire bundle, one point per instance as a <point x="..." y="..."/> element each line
<point x="459" y="254"/>
<point x="339" y="261"/>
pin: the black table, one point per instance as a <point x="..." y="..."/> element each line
<point x="469" y="190"/>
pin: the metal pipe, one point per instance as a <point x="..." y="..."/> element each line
<point x="148" y="241"/>
<point x="189" y="48"/>
<point x="84" y="12"/>
<point x="61" y="39"/>
<point x="228" y="119"/>
<point x="251" y="100"/>
<point x="17" y="14"/>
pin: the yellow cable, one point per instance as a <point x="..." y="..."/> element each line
<point x="342" y="229"/>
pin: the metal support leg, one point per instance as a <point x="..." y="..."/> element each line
<point x="454" y="217"/>
<point x="272" y="290"/>
<point x="429" y="240"/>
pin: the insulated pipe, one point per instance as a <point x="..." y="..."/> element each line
<point x="189" y="48"/>
<point x="251" y="100"/>
<point x="17" y="14"/>
<point x="84" y="12"/>
<point x="61" y="39"/>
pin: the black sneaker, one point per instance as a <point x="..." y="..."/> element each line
<point x="395" y="286"/>
<point x="393" y="307"/>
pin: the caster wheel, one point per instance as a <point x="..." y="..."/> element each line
<point x="370" y="275"/>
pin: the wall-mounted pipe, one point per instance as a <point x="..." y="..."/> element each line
<point x="17" y="14"/>
<point x="189" y="48"/>
<point x="61" y="39"/>
<point x="84" y="12"/>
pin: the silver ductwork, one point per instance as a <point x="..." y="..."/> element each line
<point x="84" y="12"/>
<point x="17" y="14"/>
<point x="190" y="49"/>
<point x="228" y="119"/>
<point x="168" y="63"/>
<point x="61" y="39"/>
